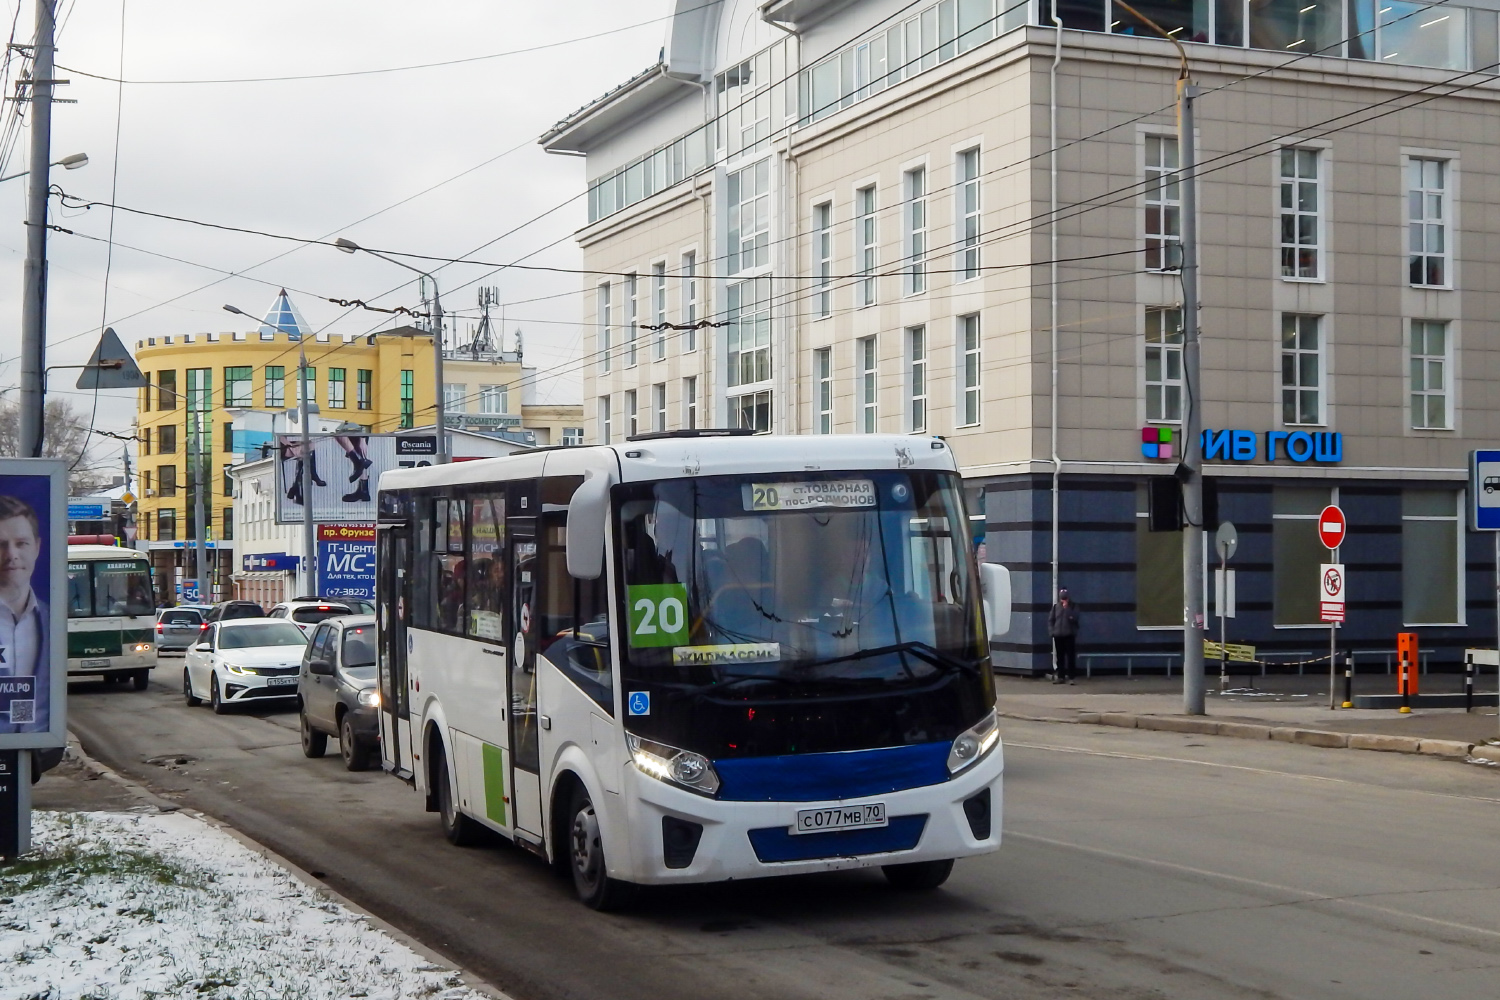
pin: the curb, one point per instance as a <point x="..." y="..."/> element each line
<point x="104" y="771"/>
<point x="1453" y="749"/>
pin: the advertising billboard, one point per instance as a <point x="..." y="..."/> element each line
<point x="346" y="560"/>
<point x="345" y="470"/>
<point x="33" y="601"/>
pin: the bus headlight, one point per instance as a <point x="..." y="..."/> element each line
<point x="974" y="744"/>
<point x="692" y="771"/>
<point x="370" y="698"/>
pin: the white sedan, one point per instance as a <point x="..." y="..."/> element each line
<point x="245" y="659"/>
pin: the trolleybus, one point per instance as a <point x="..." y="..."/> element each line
<point x="111" y="614"/>
<point x="696" y="656"/>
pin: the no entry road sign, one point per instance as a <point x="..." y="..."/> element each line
<point x="1331" y="527"/>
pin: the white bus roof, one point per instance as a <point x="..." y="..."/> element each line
<point x="105" y="552"/>
<point x="684" y="457"/>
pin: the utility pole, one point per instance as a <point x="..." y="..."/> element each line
<point x="193" y="420"/>
<point x="1191" y="470"/>
<point x="34" y="270"/>
<point x="309" y="530"/>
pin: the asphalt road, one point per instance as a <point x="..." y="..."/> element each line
<point x="1136" y="865"/>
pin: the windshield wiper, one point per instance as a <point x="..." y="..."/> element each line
<point x="922" y="650"/>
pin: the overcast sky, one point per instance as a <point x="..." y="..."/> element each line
<point x="311" y="157"/>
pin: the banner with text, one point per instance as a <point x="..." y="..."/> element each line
<point x="346" y="560"/>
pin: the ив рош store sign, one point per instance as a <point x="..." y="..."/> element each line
<point x="1245" y="446"/>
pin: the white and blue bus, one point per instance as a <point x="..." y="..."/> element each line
<point x="696" y="656"/>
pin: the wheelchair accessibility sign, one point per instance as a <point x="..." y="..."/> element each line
<point x="639" y="703"/>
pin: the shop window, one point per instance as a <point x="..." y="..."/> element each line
<point x="1158" y="571"/>
<point x="1296" y="553"/>
<point x="1431" y="558"/>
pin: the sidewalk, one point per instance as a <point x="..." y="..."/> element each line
<point x="1284" y="702"/>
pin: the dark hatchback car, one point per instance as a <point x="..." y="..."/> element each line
<point x="226" y="611"/>
<point x="336" y="692"/>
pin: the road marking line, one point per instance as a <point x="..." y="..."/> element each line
<point x="1308" y="895"/>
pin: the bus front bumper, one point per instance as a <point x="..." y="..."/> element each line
<point x="753" y="839"/>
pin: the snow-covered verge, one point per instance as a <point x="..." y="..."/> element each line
<point x="124" y="906"/>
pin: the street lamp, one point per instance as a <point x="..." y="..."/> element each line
<point x="70" y="162"/>
<point x="440" y="404"/>
<point x="304" y="411"/>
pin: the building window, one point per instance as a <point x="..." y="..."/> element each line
<point x="408" y="398"/>
<point x="228" y="535"/>
<point x="1431" y="558"/>
<point x="914" y="214"/>
<point x="166" y="390"/>
<point x="1296" y="553"/>
<point x="659" y="407"/>
<point x="166" y="524"/>
<point x="967" y="211"/>
<point x="690" y="300"/>
<point x="228" y="438"/>
<point x="1163" y="205"/>
<point x="572" y="437"/>
<point x="604" y="330"/>
<point x="823" y="254"/>
<point x="1158" y="571"/>
<point x="237" y="386"/>
<point x="864" y="350"/>
<point x="1301" y="216"/>
<point x="227" y="483"/>
<point x="362" y="387"/>
<point x="455" y="397"/>
<point x="823" y="365"/>
<point x="494" y="399"/>
<point x="145" y="440"/>
<point x="1427" y="221"/>
<point x="632" y="317"/>
<point x="1429" y="374"/>
<point x="752" y="410"/>
<point x="749" y="316"/>
<point x="632" y="415"/>
<point x="690" y="402"/>
<point x="308" y="382"/>
<point x="1164" y="365"/>
<point x="659" y="306"/>
<point x="864" y="244"/>
<point x="166" y="480"/>
<point x="336" y="398"/>
<point x="749" y="217"/>
<point x="968" y="343"/>
<point x="166" y="439"/>
<point x="606" y="423"/>
<point x="916" y="354"/>
<point x="1301" y="369"/>
<point x="145" y="397"/>
<point x="275" y="386"/>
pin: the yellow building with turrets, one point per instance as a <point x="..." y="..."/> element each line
<point x="199" y="384"/>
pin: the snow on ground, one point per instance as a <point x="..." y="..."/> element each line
<point x="124" y="906"/>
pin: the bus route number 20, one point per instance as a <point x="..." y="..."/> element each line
<point x="658" y="614"/>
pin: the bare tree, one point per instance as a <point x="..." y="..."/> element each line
<point x="65" y="435"/>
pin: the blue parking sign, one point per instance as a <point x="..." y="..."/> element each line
<point x="639" y="703"/>
<point x="1484" y="490"/>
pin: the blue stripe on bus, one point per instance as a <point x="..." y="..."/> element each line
<point x="823" y="777"/>
<point x="777" y="844"/>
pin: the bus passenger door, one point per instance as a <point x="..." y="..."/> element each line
<point x="526" y="781"/>
<point x="393" y="605"/>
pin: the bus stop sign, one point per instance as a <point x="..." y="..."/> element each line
<point x="1484" y="490"/>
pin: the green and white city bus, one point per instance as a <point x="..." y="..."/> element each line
<point x="111" y="614"/>
<point x="696" y="656"/>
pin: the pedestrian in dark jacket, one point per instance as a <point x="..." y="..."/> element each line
<point x="1062" y="625"/>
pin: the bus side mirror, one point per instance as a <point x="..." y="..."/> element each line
<point x="994" y="581"/>
<point x="588" y="512"/>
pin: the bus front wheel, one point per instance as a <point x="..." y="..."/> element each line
<point x="918" y="874"/>
<point x="141" y="679"/>
<point x="586" y="856"/>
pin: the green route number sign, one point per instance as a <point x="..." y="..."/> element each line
<point x="658" y="614"/>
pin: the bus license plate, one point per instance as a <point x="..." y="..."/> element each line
<point x="866" y="816"/>
<point x="96" y="663"/>
<point x="280" y="681"/>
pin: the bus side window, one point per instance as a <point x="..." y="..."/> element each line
<point x="488" y="590"/>
<point x="575" y="626"/>
<point x="421" y="563"/>
<point x="451" y="574"/>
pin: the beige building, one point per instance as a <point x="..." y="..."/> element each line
<point x="903" y="224"/>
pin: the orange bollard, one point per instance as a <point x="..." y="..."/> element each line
<point x="1406" y="681"/>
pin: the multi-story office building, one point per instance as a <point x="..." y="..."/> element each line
<point x="201" y="384"/>
<point x="961" y="218"/>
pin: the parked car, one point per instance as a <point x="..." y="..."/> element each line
<point x="178" y="628"/>
<point x="226" y="611"/>
<point x="305" y="612"/>
<point x="245" y="659"/>
<point x="336" y="691"/>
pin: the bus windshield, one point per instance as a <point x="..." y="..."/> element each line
<point x="786" y="589"/>
<point x="110" y="588"/>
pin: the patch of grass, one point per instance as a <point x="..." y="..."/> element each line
<point x="75" y="864"/>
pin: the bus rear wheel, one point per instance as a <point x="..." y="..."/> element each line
<point x="460" y="830"/>
<point x="586" y="858"/>
<point x="918" y="874"/>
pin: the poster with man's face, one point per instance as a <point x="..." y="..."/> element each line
<point x="33" y="635"/>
